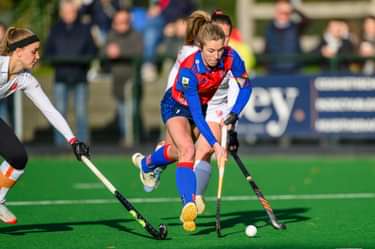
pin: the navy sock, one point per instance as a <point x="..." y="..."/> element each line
<point x="186" y="182"/>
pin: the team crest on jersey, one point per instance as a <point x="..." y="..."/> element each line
<point x="185" y="81"/>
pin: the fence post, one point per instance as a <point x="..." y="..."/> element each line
<point x="245" y="19"/>
<point x="137" y="91"/>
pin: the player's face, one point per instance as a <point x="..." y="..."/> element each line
<point x="29" y="55"/>
<point x="212" y="52"/>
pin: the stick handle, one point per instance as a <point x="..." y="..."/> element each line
<point x="98" y="174"/>
<point x="221" y="161"/>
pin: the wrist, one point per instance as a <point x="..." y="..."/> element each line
<point x="232" y="118"/>
<point x="73" y="140"/>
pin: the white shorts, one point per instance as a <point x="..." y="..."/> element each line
<point x="217" y="112"/>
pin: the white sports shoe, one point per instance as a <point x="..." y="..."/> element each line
<point x="6" y="215"/>
<point x="200" y="203"/>
<point x="150" y="180"/>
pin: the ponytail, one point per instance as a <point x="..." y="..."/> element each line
<point x="218" y="16"/>
<point x="194" y="23"/>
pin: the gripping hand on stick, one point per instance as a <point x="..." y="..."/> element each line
<point x="80" y="149"/>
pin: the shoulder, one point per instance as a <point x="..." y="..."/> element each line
<point x="189" y="61"/>
<point x="231" y="55"/>
<point x="26" y="79"/>
<point x="231" y="52"/>
<point x="186" y="51"/>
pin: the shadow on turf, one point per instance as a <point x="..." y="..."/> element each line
<point x="68" y="226"/>
<point x="258" y="218"/>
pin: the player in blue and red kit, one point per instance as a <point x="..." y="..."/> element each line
<point x="183" y="109"/>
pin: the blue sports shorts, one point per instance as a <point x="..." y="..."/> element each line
<point x="171" y="108"/>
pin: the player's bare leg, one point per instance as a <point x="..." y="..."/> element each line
<point x="202" y="165"/>
<point x="180" y="132"/>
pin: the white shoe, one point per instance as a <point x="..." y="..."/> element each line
<point x="6" y="215"/>
<point x="188" y="216"/>
<point x="200" y="203"/>
<point x="150" y="180"/>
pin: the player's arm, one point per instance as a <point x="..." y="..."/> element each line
<point x="35" y="93"/>
<point x="189" y="85"/>
<point x="243" y="81"/>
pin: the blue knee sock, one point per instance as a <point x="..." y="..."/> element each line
<point x="186" y="182"/>
<point x="158" y="158"/>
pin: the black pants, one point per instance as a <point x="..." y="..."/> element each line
<point x="11" y="148"/>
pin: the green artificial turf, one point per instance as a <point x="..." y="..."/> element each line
<point x="321" y="219"/>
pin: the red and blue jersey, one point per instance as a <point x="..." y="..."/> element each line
<point x="194" y="76"/>
<point x="196" y="84"/>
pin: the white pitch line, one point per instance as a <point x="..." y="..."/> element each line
<point x="83" y="185"/>
<point x="338" y="196"/>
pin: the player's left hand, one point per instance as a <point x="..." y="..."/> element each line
<point x="80" y="149"/>
<point x="231" y="119"/>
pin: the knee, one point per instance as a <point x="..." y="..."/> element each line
<point x="204" y="153"/>
<point x="18" y="159"/>
<point x="187" y="152"/>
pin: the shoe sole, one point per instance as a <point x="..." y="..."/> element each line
<point x="188" y="216"/>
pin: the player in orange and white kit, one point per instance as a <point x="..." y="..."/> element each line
<point x="19" y="53"/>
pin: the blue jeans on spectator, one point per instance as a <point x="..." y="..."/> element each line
<point x="80" y="91"/>
<point x="152" y="36"/>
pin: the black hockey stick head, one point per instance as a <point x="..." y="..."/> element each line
<point x="278" y="226"/>
<point x="218" y="218"/>
<point x="218" y="230"/>
<point x="163" y="231"/>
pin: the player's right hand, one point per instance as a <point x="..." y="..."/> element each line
<point x="80" y="149"/>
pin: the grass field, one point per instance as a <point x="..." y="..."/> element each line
<point x="326" y="202"/>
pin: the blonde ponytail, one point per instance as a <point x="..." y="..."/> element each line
<point x="194" y="23"/>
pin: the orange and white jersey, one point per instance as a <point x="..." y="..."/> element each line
<point x="27" y="83"/>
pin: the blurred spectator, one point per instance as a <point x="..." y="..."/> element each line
<point x="160" y="13"/>
<point x="70" y="47"/>
<point x="367" y="45"/>
<point x="174" y="34"/>
<point x="336" y="40"/>
<point x="236" y="42"/>
<point x="282" y="39"/>
<point x="100" y="13"/>
<point x="6" y="105"/>
<point x="123" y="42"/>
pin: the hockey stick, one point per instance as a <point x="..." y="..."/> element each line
<point x="258" y="193"/>
<point x="221" y="165"/>
<point x="161" y="234"/>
